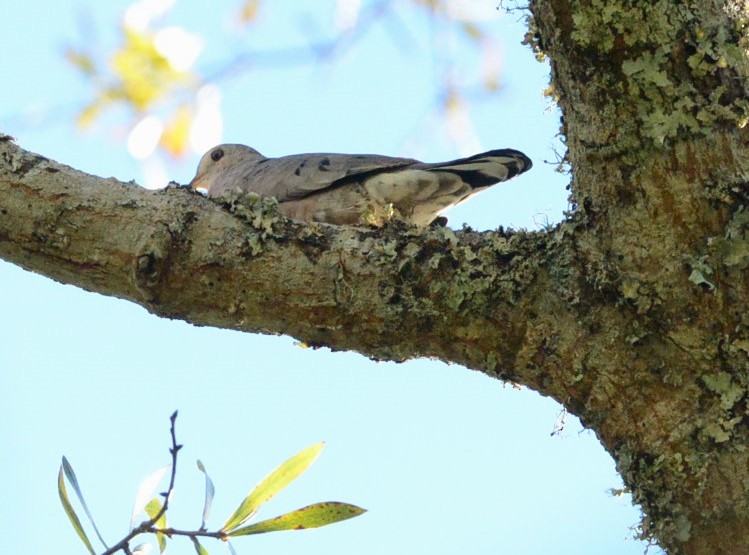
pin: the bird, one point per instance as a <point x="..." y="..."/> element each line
<point x="355" y="189"/>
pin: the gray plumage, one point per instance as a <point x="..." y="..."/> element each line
<point x="355" y="188"/>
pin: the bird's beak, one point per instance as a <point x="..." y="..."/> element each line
<point x="198" y="185"/>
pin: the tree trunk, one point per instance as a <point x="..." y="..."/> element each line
<point x="632" y="313"/>
<point x="654" y="96"/>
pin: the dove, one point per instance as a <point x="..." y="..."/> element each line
<point x="355" y="189"/>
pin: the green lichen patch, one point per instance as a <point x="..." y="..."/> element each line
<point x="732" y="249"/>
<point x="663" y="70"/>
<point x="261" y="213"/>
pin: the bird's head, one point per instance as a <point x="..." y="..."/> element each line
<point x="219" y="161"/>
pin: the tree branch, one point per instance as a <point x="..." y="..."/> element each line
<point x="393" y="293"/>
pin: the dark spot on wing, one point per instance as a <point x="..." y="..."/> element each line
<point x="324" y="165"/>
<point x="263" y="161"/>
<point x="298" y="170"/>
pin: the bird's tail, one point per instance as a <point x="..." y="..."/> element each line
<point x="487" y="168"/>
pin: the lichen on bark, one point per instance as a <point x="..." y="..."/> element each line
<point x="654" y="97"/>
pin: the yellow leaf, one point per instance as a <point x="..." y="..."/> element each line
<point x="74" y="520"/>
<point x="432" y="5"/>
<point x="80" y="61"/>
<point x="249" y="10"/>
<point x="152" y="509"/>
<point x="452" y="101"/>
<point x="87" y="116"/>
<point x="472" y="31"/>
<point x="144" y="73"/>
<point x="175" y="137"/>
<point x="274" y="482"/>
<point x="312" y="516"/>
<point x="491" y="83"/>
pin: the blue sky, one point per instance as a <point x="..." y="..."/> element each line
<point x="445" y="459"/>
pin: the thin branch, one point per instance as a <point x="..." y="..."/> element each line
<point x="147" y="526"/>
<point x="173" y="451"/>
<point x="321" y="51"/>
<point x="219" y="535"/>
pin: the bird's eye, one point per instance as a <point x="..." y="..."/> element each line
<point x="217" y="154"/>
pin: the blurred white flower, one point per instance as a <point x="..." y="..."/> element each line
<point x="140" y="14"/>
<point x="460" y="127"/>
<point x="144" y="137"/>
<point x="472" y="10"/>
<point x="178" y="46"/>
<point x="346" y="14"/>
<point x="155" y="173"/>
<point x="207" y="125"/>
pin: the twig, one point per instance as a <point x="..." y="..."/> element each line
<point x="219" y="535"/>
<point x="147" y="526"/>
<point x="321" y="51"/>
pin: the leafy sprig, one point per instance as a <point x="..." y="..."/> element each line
<point x="311" y="516"/>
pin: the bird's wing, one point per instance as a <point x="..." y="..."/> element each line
<point x="300" y="175"/>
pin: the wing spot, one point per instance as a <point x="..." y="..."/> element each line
<point x="324" y="165"/>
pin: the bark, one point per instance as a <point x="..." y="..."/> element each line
<point x="632" y="313"/>
<point x="654" y="96"/>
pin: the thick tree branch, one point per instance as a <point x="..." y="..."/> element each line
<point x="392" y="293"/>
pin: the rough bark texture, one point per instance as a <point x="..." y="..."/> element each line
<point x="654" y="96"/>
<point x="633" y="313"/>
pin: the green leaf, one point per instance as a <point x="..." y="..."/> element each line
<point x="145" y="490"/>
<point x="71" y="512"/>
<point x="272" y="484"/>
<point x="312" y="516"/>
<point x="152" y="508"/>
<point x="209" y="491"/>
<point x="70" y="475"/>
<point x="199" y="548"/>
